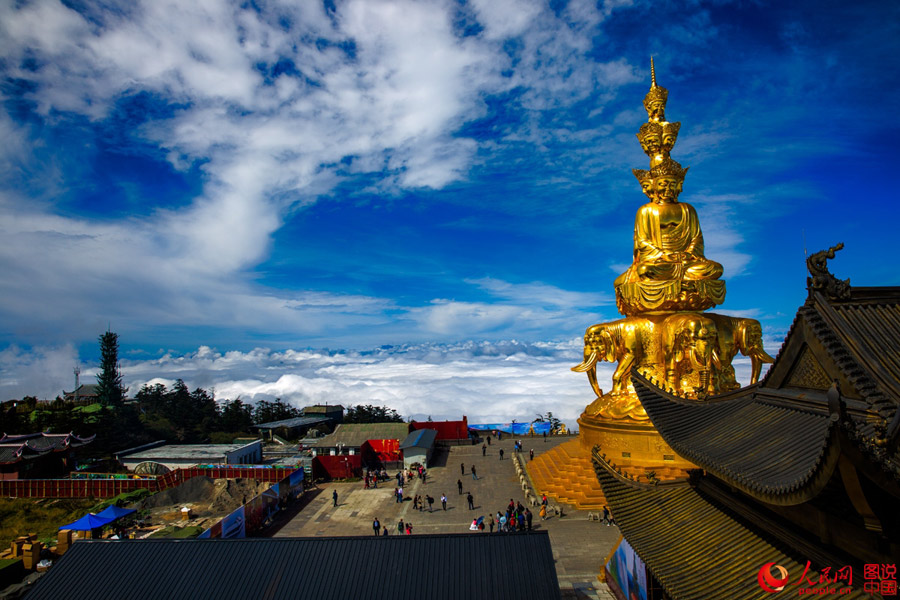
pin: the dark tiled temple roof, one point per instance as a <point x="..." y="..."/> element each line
<point x="692" y="547"/>
<point x="780" y="454"/>
<point x="438" y="567"/>
<point x="291" y="423"/>
<point x="85" y="390"/>
<point x="14" y="452"/>
<point x="47" y="441"/>
<point x="861" y="333"/>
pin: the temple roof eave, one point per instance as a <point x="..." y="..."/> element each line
<point x="776" y="454"/>
<point x="670" y="526"/>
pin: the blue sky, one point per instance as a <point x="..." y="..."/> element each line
<point x="248" y="179"/>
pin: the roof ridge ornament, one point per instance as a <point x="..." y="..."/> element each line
<point x="821" y="279"/>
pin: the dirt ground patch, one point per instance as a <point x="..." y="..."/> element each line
<point x="207" y="498"/>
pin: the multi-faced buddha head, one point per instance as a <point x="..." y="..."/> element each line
<point x="655" y="104"/>
<point x="655" y="100"/>
<point x="650" y="136"/>
<point x="646" y="182"/>
<point x="668" y="179"/>
<point x="669" y="136"/>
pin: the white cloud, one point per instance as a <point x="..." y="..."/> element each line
<point x="538" y="293"/>
<point x="386" y="83"/>
<point x="486" y="381"/>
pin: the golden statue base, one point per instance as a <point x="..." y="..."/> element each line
<point x="634" y="446"/>
<point x="566" y="473"/>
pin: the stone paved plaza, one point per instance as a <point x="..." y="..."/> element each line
<point x="579" y="545"/>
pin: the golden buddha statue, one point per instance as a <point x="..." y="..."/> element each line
<point x="665" y="334"/>
<point x="669" y="271"/>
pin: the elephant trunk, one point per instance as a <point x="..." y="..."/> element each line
<point x="589" y="363"/>
<point x="589" y="366"/>
<point x="698" y="362"/>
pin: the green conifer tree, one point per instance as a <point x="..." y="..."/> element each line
<point x="109" y="380"/>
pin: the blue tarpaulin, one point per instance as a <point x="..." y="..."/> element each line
<point x="88" y="522"/>
<point x="513" y="428"/>
<point x="113" y="512"/>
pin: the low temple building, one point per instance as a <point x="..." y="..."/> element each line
<point x="38" y="455"/>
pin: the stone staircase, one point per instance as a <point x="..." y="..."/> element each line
<point x="566" y="475"/>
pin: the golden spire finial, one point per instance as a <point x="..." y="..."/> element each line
<point x="655" y="100"/>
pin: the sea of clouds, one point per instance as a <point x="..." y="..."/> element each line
<point x="486" y="381"/>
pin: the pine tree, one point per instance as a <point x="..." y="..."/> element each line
<point x="109" y="380"/>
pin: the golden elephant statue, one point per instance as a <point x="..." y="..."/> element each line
<point x="617" y="341"/>
<point x="738" y="334"/>
<point x="691" y="354"/>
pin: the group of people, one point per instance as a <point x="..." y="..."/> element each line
<point x="372" y="478"/>
<point x="402" y="528"/>
<point x="462" y="471"/>
<point x="514" y="518"/>
<point x="404" y="476"/>
<point x="419" y="502"/>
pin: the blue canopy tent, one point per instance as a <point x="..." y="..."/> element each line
<point x="540" y="427"/>
<point x="113" y="512"/>
<point x="88" y="522"/>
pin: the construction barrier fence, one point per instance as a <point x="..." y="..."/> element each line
<point x="108" y="488"/>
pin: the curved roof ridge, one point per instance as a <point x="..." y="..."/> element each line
<point x="782" y="454"/>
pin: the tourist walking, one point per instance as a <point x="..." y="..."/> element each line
<point x="430" y="502"/>
<point x="543" y="512"/>
<point x="474" y="476"/>
<point x="400" y="495"/>
<point x="416" y="502"/>
<point x="459" y="486"/>
<point x="444" y="501"/>
<point x="401" y="528"/>
<point x="491" y="523"/>
<point x="462" y="469"/>
<point x="501" y="453"/>
<point x="471" y="501"/>
<point x="483" y="450"/>
<point x="376" y="526"/>
<point x="607" y="517"/>
<point x="528" y="517"/>
<point x="531" y="454"/>
<point x="334" y="497"/>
